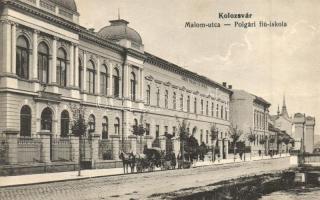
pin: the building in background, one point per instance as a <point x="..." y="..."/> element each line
<point x="250" y="114"/>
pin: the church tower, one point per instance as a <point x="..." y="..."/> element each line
<point x="284" y="111"/>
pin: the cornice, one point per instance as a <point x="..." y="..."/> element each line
<point x="151" y="59"/>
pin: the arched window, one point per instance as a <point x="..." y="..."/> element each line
<point x="105" y="126"/>
<point x="166" y="96"/>
<point x="201" y="136"/>
<point x="65" y="120"/>
<point x="62" y="67"/>
<point x="188" y="104"/>
<point x="195" y="105"/>
<point x="25" y="121"/>
<point x="43" y="63"/>
<point x="174" y="101"/>
<point x="207" y="108"/>
<point x="201" y="107"/>
<point x="135" y="122"/>
<point x="148" y="94"/>
<point x="217" y="110"/>
<point x="133" y="86"/>
<point x="117" y="126"/>
<point x="158" y="97"/>
<point x="103" y="80"/>
<point x="212" y="109"/>
<point x="116" y="80"/>
<point x="80" y="68"/>
<point x="207" y="136"/>
<point x="226" y="113"/>
<point x="91" y="123"/>
<point x="22" y="58"/>
<point x="46" y="119"/>
<point x="181" y="102"/>
<point x="221" y="112"/>
<point x="91" y="77"/>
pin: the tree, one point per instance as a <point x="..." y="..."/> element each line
<point x="235" y="135"/>
<point x="139" y="130"/>
<point x="78" y="126"/>
<point x="263" y="142"/>
<point x="214" y="139"/>
<point x="183" y="136"/>
<point x="251" y="138"/>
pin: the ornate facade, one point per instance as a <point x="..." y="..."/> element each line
<point x="48" y="61"/>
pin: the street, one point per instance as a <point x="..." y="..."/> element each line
<point x="140" y="186"/>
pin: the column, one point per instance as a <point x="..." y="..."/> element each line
<point x="13" y="47"/>
<point x="54" y="61"/>
<point x="133" y="141"/>
<point x="12" y="139"/>
<point x="75" y="148"/>
<point x="138" y="84"/>
<point x="142" y="85"/>
<point x="84" y="71"/>
<point x="125" y="82"/>
<point x="6" y="41"/>
<point x="45" y="143"/>
<point x="95" y="150"/>
<point x="309" y="134"/>
<point x="98" y="76"/>
<point x="76" y="66"/>
<point x="115" y="146"/>
<point x="71" y="67"/>
<point x="110" y="84"/>
<point x="35" y="54"/>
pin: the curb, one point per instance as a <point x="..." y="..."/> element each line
<point x="111" y="175"/>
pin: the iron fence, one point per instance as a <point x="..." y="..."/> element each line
<point x="105" y="149"/>
<point x="61" y="149"/>
<point x="29" y="149"/>
<point x="125" y="146"/>
<point x="3" y="150"/>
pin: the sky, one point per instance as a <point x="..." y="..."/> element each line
<point x="268" y="62"/>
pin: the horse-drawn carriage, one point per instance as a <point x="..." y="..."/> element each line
<point x="149" y="160"/>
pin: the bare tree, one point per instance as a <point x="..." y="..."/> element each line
<point x="235" y="135"/>
<point x="214" y="139"/>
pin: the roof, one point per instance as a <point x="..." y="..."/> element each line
<point x="261" y="100"/>
<point x="164" y="63"/>
<point x="119" y="30"/>
<point x="68" y="4"/>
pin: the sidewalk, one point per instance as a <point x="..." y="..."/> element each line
<point x="7" y="181"/>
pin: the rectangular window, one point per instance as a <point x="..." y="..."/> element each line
<point x="207" y="136"/>
<point x="166" y="129"/>
<point x="147" y="129"/>
<point x="174" y="130"/>
<point x="157" y="131"/>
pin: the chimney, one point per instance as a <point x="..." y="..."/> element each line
<point x="230" y="87"/>
<point x="224" y="84"/>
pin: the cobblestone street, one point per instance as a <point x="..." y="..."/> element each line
<point x="140" y="186"/>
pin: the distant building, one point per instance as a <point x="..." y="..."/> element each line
<point x="304" y="132"/>
<point x="282" y="120"/>
<point x="250" y="114"/>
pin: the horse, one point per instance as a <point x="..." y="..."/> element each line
<point x="141" y="162"/>
<point x="127" y="160"/>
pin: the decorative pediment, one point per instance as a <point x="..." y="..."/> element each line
<point x="167" y="84"/>
<point x="149" y="78"/>
<point x="158" y="81"/>
<point x="196" y="92"/>
<point x="175" y="86"/>
<point x="183" y="88"/>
